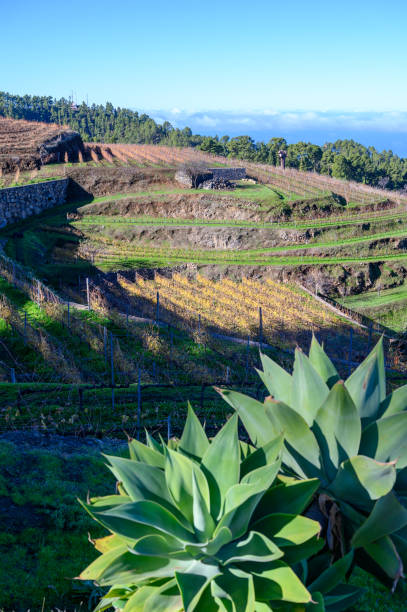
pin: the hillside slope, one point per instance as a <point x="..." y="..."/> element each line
<point x="26" y="145"/>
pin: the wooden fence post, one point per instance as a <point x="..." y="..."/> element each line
<point x="350" y="350"/>
<point x="80" y="391"/>
<point x="87" y="293"/>
<point x="247" y="355"/>
<point x="105" y="343"/>
<point x="111" y="358"/>
<point x="369" y="339"/>
<point x="169" y="427"/>
<point x="138" y="404"/>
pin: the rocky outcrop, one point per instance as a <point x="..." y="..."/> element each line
<point x="61" y="146"/>
<point x="26" y="145"/>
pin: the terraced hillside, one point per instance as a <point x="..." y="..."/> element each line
<point x="126" y="212"/>
<point x="124" y="365"/>
<point x="26" y="145"/>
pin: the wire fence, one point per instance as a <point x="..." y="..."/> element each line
<point x="122" y="395"/>
<point x="101" y="411"/>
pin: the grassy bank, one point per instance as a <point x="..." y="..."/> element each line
<point x="43" y="540"/>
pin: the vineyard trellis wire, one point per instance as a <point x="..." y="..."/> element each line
<point x="194" y="305"/>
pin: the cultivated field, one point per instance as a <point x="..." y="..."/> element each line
<point x="24" y="146"/>
<point x="138" y="295"/>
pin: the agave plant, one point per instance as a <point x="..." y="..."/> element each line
<point x="350" y="436"/>
<point x="203" y="526"/>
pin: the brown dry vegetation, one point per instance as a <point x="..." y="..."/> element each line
<point x="23" y="144"/>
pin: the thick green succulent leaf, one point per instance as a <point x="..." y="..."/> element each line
<point x="116" y="597"/>
<point x="159" y="546"/>
<point x="401" y="484"/>
<point x="262" y="606"/>
<point x="126" y="529"/>
<point x="142" y="518"/>
<point x="238" y="518"/>
<point x="203" y="522"/>
<point x="141" y="452"/>
<point x="193" y="442"/>
<point x="207" y="602"/>
<point x="255" y="547"/>
<point x="222" y="537"/>
<point x="221" y="464"/>
<point x="317" y="604"/>
<point x="333" y="575"/>
<point x="300" y="552"/>
<point x="388" y="515"/>
<point x="235" y="589"/>
<point x="278" y="582"/>
<point x="111" y="542"/>
<point x="394" y="403"/>
<point x="322" y="364"/>
<point x="252" y="415"/>
<point x="291" y="498"/>
<point x="246" y="450"/>
<point x="337" y="428"/>
<point x="301" y="453"/>
<point x="108" y="501"/>
<point x="153" y="444"/>
<point x="400" y="541"/>
<point x="342" y="597"/>
<point x="262" y="478"/>
<point x="242" y="499"/>
<point x="385" y="440"/>
<point x="262" y="456"/>
<point x="163" y="598"/>
<point x="287" y="529"/>
<point x="126" y="568"/>
<point x="140" y="480"/>
<point x="361" y="479"/>
<point x="193" y="580"/>
<point x="179" y="470"/>
<point x="384" y="554"/>
<point x="99" y="565"/>
<point x="367" y="384"/>
<point x="276" y="379"/>
<point x="309" y="390"/>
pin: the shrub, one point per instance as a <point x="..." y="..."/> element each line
<point x="200" y="525"/>
<point x="351" y="437"/>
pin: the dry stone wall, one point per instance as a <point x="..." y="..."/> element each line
<point x="17" y="203"/>
<point x="228" y="174"/>
<point x="211" y="174"/>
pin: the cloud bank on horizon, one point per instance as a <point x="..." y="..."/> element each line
<point x="390" y="121"/>
<point x="385" y="130"/>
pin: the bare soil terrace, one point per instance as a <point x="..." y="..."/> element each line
<point x="26" y="145"/>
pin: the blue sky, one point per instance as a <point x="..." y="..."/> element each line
<point x="251" y="59"/>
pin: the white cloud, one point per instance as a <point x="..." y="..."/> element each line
<point x="273" y="120"/>
<point x="384" y="130"/>
<point x="207" y="121"/>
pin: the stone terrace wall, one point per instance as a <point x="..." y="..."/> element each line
<point x="228" y="174"/>
<point x="17" y="203"/>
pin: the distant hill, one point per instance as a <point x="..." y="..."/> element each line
<point x="343" y="159"/>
